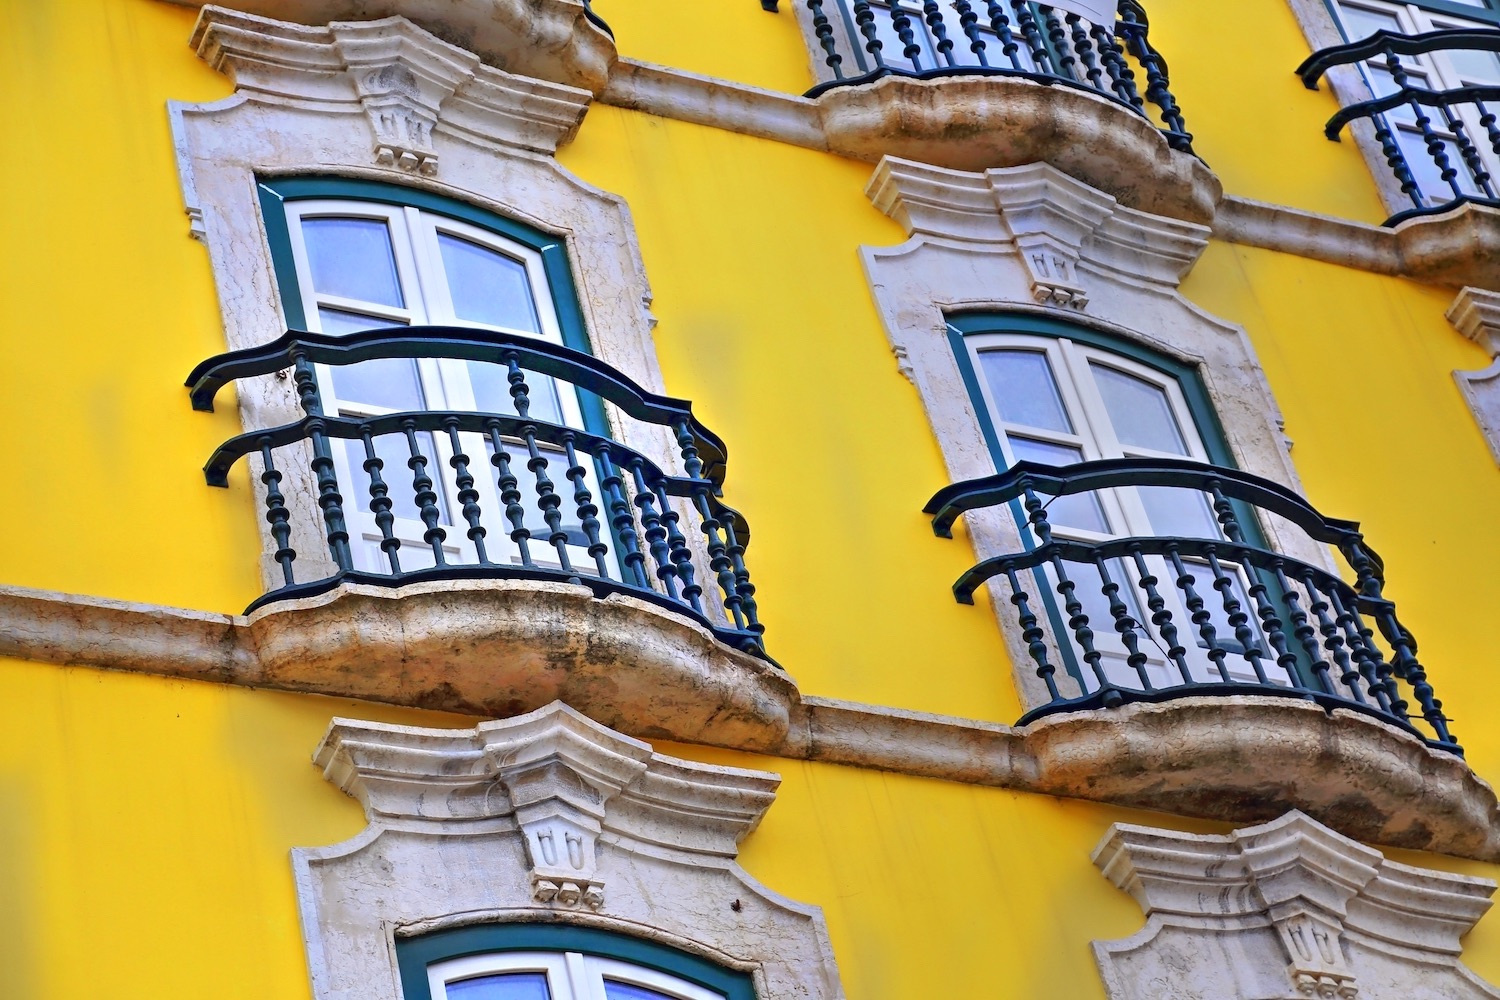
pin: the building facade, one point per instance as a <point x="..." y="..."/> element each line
<point x="1112" y="392"/>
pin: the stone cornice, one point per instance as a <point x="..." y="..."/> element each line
<point x="651" y="675"/>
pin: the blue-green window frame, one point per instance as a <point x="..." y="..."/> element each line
<point x="414" y="955"/>
<point x="1200" y="407"/>
<point x="276" y="192"/>
<point x="1490" y="12"/>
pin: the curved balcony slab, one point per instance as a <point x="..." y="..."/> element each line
<point x="976" y="123"/>
<point x="552" y="40"/>
<point x="497" y="648"/>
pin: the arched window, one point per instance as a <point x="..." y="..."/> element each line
<point x="557" y="962"/>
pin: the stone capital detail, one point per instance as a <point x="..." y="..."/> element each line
<point x="529" y="819"/>
<point x="1476" y="315"/>
<point x="408" y="83"/>
<point x="1059" y="226"/>
<point x="1288" y="909"/>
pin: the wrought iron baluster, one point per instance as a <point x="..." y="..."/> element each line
<point x="1364" y="659"/>
<point x="1468" y="151"/>
<point x="468" y="496"/>
<point x="968" y="22"/>
<point x="1031" y="633"/>
<point x="1084" y="46"/>
<point x="1395" y="158"/>
<point x="329" y="499"/>
<point x="1237" y="618"/>
<point x="901" y="24"/>
<point x="1389" y="693"/>
<point x="1302" y="627"/>
<point x="1026" y="21"/>
<point x="1000" y="25"/>
<point x="864" y="18"/>
<point x="1198" y="611"/>
<point x="941" y="42"/>
<point x="1121" y="77"/>
<point x="1158" y="86"/>
<point x="1160" y="616"/>
<point x="426" y="496"/>
<point x="1265" y="608"/>
<point x="381" y="503"/>
<point x="277" y="515"/>
<point x="1487" y="120"/>
<point x="510" y="493"/>
<point x="621" y="519"/>
<point x="1036" y="516"/>
<point x="588" y="512"/>
<point x="1057" y="36"/>
<point x="547" y="498"/>
<point x="742" y="584"/>
<point x="1332" y="640"/>
<point x="718" y="551"/>
<point x="1125" y="623"/>
<point x="1436" y="148"/>
<point x="656" y="532"/>
<point x="824" y="30"/>
<point x="678" y="551"/>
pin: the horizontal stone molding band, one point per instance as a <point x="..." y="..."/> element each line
<point x="500" y="648"/>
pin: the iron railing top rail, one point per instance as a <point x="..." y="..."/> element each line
<point x="465" y="344"/>
<point x="1383" y="42"/>
<point x="949" y="503"/>
<point x="596" y="20"/>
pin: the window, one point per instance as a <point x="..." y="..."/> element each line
<point x="556" y="976"/>
<point x="1056" y="395"/>
<point x="352" y="263"/>
<point x="1446" y="69"/>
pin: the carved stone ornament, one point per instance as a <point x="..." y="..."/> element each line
<point x="1476" y="314"/>
<point x="545" y="817"/>
<point x="1285" y="911"/>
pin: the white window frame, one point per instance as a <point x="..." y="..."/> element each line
<point x="570" y="975"/>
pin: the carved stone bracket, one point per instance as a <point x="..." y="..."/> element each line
<point x="1476" y="314"/>
<point x="524" y="820"/>
<point x="1288" y="909"/>
<point x="408" y="83"/>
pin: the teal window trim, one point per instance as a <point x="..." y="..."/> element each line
<point x="1195" y="394"/>
<point x="415" y="955"/>
<point x="1489" y="12"/>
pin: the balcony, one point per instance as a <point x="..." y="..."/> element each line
<point x="541" y="493"/>
<point x="991" y="84"/>
<point x="1430" y="113"/>
<point x="1213" y="612"/>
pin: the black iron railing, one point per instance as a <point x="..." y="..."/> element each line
<point x="1152" y="618"/>
<point x="1442" y="146"/>
<point x="600" y="513"/>
<point x="595" y="19"/>
<point x="865" y="40"/>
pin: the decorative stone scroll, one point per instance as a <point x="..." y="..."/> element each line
<point x="545" y="817"/>
<point x="1476" y="314"/>
<point x="1285" y="911"/>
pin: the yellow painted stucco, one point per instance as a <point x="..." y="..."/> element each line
<point x="143" y="845"/>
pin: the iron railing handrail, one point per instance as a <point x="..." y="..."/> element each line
<point x="1291" y="615"/>
<point x="596" y="20"/>
<point x="464" y="344"/>
<point x="1382" y="41"/>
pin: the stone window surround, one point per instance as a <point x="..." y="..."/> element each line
<point x="1033" y="240"/>
<point x="547" y="817"/>
<point x="1476" y="314"/>
<point x="1289" y="908"/>
<point x="385" y="100"/>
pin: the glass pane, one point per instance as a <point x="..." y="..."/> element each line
<point x="395" y="452"/>
<point x="353" y="258"/>
<point x="487" y="287"/>
<point x="1140" y="412"/>
<point x="511" y="986"/>
<point x="1364" y="23"/>
<point x="340" y="322"/>
<point x="1080" y="510"/>
<point x="389" y="383"/>
<point x="1475" y="68"/>
<point x="626" y="991"/>
<point x="1024" y="389"/>
<point x="492" y="392"/>
<point x="1179" y="512"/>
<point x="556" y="469"/>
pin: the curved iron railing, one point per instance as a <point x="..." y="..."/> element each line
<point x="1234" y="617"/>
<point x="1459" y="166"/>
<point x="595" y="19"/>
<point x="866" y="40"/>
<point x="618" y="532"/>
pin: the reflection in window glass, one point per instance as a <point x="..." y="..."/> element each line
<point x="487" y="287"/>
<point x="353" y="259"/>
<point x="388" y="383"/>
<point x="1024" y="389"/>
<point x="510" y="986"/>
<point x="625" y="991"/>
<point x="1177" y="511"/>
<point x="1140" y="412"/>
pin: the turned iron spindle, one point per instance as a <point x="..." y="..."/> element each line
<point x="1030" y="31"/>
<point x="655" y="531"/>
<point x="1087" y="56"/>
<point x="510" y="492"/>
<point x="719" y="562"/>
<point x="742" y="584"/>
<point x="1395" y="158"/>
<point x="1031" y="632"/>
<point x="1234" y="610"/>
<point x="277" y="515"/>
<point x="426" y="495"/>
<point x="1078" y="621"/>
<point x="968" y="22"/>
<point x="1436" y="148"/>
<point x="1125" y="623"/>
<point x="1333" y="640"/>
<point x="864" y="18"/>
<point x="468" y="496"/>
<point x="330" y="501"/>
<point x="1468" y="152"/>
<point x="1302" y="627"/>
<point x="1121" y="77"/>
<point x="1158" y="85"/>
<point x="1000" y="25"/>
<point x="588" y="511"/>
<point x="621" y="519"/>
<point x="1359" y="649"/>
<point x="1156" y="603"/>
<point x="933" y="14"/>
<point x="1057" y="40"/>
<point x="901" y="24"/>
<point x="678" y="551"/>
<point x="548" y="501"/>
<point x="824" y="30"/>
<point x="381" y="502"/>
<point x="1198" y="612"/>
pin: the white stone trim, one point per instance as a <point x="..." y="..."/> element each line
<point x="387" y="100"/>
<point x="545" y="817"/>
<point x="1034" y="240"/>
<point x="1286" y="909"/>
<point x="1476" y="315"/>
